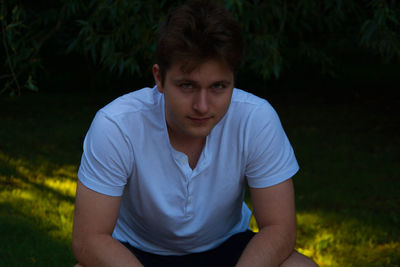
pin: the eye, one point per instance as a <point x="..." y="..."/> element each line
<point x="218" y="86"/>
<point x="186" y="86"/>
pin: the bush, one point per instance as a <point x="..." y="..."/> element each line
<point x="119" y="35"/>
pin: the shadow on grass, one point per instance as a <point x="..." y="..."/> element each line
<point x="24" y="243"/>
<point x="45" y="128"/>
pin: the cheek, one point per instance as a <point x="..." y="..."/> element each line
<point x="223" y="104"/>
<point x="176" y="106"/>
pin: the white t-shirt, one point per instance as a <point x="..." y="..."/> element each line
<point x="167" y="208"/>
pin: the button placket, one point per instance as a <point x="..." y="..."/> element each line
<point x="183" y="160"/>
<point x="189" y="198"/>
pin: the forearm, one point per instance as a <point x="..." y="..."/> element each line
<point x="103" y="250"/>
<point x="269" y="247"/>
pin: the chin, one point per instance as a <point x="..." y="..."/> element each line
<point x="197" y="133"/>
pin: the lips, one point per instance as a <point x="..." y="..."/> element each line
<point x="200" y="120"/>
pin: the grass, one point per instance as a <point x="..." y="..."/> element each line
<point x="41" y="138"/>
<point x="347" y="192"/>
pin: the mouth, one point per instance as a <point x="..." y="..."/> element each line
<point x="199" y="120"/>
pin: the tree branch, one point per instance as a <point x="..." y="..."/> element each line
<point x="5" y="76"/>
<point x="14" y="76"/>
<point x="52" y="31"/>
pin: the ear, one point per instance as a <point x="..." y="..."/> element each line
<point x="157" y="77"/>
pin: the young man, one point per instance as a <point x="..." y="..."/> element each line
<point x="164" y="169"/>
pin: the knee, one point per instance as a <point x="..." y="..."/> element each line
<point x="298" y="260"/>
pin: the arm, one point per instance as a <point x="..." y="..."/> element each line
<point x="275" y="214"/>
<point x="94" y="221"/>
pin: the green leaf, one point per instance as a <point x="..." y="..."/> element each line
<point x="30" y="84"/>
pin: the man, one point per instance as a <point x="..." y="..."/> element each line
<point x="164" y="169"/>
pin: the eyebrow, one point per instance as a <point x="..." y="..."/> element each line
<point x="184" y="80"/>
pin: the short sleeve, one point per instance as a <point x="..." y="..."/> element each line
<point x="271" y="158"/>
<point x="107" y="157"/>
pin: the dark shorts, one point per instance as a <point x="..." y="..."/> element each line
<point x="227" y="254"/>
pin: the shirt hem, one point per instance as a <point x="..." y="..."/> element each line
<point x="105" y="190"/>
<point x="273" y="180"/>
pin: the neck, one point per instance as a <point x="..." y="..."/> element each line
<point x="184" y="143"/>
<point x="192" y="147"/>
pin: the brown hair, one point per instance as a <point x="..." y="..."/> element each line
<point x="196" y="32"/>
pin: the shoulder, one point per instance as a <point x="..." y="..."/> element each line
<point x="248" y="116"/>
<point x="122" y="116"/>
<point x="241" y="96"/>
<point x="245" y="105"/>
<point x="145" y="99"/>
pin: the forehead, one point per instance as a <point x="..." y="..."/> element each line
<point x="207" y="70"/>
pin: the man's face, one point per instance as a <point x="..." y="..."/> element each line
<point x="195" y="101"/>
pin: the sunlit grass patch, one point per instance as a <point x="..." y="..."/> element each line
<point x="63" y="181"/>
<point x="42" y="207"/>
<point x="332" y="239"/>
<point x="47" y="198"/>
<point x="253" y="224"/>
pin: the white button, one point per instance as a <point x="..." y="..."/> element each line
<point x="190" y="198"/>
<point x="183" y="160"/>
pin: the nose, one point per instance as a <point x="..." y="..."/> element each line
<point x="200" y="102"/>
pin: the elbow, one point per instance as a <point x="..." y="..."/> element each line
<point x="292" y="240"/>
<point x="292" y="236"/>
<point x="75" y="245"/>
<point x="288" y="237"/>
<point x="78" y="247"/>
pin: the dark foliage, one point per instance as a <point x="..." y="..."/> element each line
<point x="117" y="37"/>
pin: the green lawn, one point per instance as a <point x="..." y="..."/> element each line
<point x="347" y="192"/>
